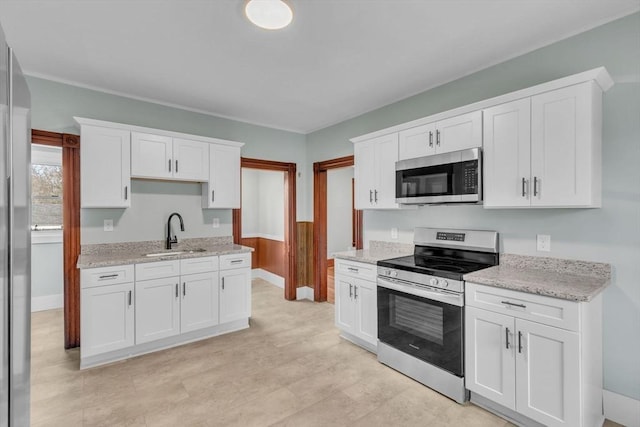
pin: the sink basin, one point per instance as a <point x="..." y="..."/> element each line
<point x="174" y="253"/>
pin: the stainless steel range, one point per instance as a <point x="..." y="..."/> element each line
<point x="421" y="306"/>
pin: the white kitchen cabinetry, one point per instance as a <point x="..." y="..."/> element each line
<point x="223" y="187"/>
<point x="545" y="150"/>
<point x="235" y="287"/>
<point x="375" y="172"/>
<point x="105" y="175"/>
<point x="452" y="134"/>
<point x="199" y="306"/>
<point x="534" y="356"/>
<point x="356" y="303"/>
<point x="164" y="157"/>
<point x="106" y="310"/>
<point x="157" y="309"/>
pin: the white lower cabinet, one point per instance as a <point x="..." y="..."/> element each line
<point x="235" y="294"/>
<point x="199" y="307"/>
<point x="157" y="309"/>
<point x="356" y="304"/>
<point x="549" y="374"/>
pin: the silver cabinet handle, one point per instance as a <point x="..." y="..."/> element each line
<point x="375" y="193"/>
<point x="513" y="304"/>
<point x="352" y="269"/>
<point x="430" y="139"/>
<point x="213" y="192"/>
<point x="223" y="283"/>
<point x="535" y="185"/>
<point x="177" y="292"/>
<point x="184" y="289"/>
<point x="236" y="261"/>
<point x="523" y="181"/>
<point x="437" y="137"/>
<point x="355" y="292"/>
<point x="129" y="298"/>
<point x="519" y="342"/>
<point x="370" y="196"/>
<point x="350" y="290"/>
<point x="176" y="166"/>
<point x="506" y="337"/>
<point x="126" y="192"/>
<point x="109" y="276"/>
<point x="169" y="165"/>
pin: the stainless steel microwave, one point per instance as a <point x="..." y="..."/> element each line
<point x="454" y="177"/>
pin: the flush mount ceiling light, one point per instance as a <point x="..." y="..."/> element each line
<point x="269" y="14"/>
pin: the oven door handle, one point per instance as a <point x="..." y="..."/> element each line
<point x="444" y="297"/>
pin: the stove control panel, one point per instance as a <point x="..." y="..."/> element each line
<point x="421" y="279"/>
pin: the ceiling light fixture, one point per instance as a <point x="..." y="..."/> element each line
<point x="269" y="14"/>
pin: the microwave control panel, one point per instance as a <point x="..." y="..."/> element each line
<point x="470" y="177"/>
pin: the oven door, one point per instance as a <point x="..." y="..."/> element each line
<point x="441" y="178"/>
<point x="427" y="324"/>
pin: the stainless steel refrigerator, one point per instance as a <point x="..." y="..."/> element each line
<point x="15" y="240"/>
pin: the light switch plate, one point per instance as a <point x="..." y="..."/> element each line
<point x="108" y="225"/>
<point x="216" y="222"/>
<point x="544" y="242"/>
<point x="394" y="233"/>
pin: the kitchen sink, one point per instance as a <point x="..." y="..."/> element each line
<point x="174" y="253"/>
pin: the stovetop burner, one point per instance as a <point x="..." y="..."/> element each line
<point x="449" y="268"/>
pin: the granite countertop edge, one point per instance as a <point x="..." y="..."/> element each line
<point x="110" y="259"/>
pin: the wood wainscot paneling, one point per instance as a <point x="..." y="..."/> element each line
<point x="271" y="256"/>
<point x="331" y="280"/>
<point x="251" y="242"/>
<point x="305" y="253"/>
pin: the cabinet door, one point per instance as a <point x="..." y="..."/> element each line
<point x="507" y="154"/>
<point x="562" y="151"/>
<point x="151" y="156"/>
<point x="344" y="303"/>
<point x="417" y="142"/>
<point x="190" y="160"/>
<point x="384" y="193"/>
<point x="199" y="306"/>
<point x="107" y="318"/>
<point x="366" y="300"/>
<point x="364" y="174"/>
<point x="459" y="133"/>
<point x="548" y="374"/>
<point x="490" y="355"/>
<point x="157" y="309"/>
<point x="105" y="175"/>
<point x="223" y="188"/>
<point x="235" y="287"/>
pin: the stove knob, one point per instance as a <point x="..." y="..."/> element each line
<point x="443" y="283"/>
<point x="394" y="273"/>
<point x="433" y="282"/>
<point x="387" y="272"/>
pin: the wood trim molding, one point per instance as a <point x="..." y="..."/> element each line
<point x="70" y="226"/>
<point x="320" y="264"/>
<point x="290" y="232"/>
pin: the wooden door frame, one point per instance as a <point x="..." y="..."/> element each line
<point x="70" y="145"/>
<point x="290" y="234"/>
<point x="320" y="223"/>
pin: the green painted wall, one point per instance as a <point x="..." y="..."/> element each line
<point x="610" y="234"/>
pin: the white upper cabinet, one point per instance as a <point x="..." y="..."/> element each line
<point x="453" y="134"/>
<point x="544" y="151"/>
<point x="375" y="172"/>
<point x="164" y="157"/>
<point x="223" y="187"/>
<point x="105" y="177"/>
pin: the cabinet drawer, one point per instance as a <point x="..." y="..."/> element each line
<point x="198" y="265"/>
<point x="91" y="277"/>
<point x="155" y="270"/>
<point x="235" y="261"/>
<point x="537" y="308"/>
<point x="356" y="269"/>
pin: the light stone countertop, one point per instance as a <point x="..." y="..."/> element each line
<point x="108" y="254"/>
<point x="559" y="278"/>
<point x="378" y="250"/>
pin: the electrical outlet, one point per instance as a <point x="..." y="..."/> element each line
<point x="544" y="242"/>
<point x="394" y="233"/>
<point x="216" y="222"/>
<point x="108" y="225"/>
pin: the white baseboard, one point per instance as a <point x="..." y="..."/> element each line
<point x="304" y="292"/>
<point x="274" y="279"/>
<point x="621" y="409"/>
<point x="47" y="302"/>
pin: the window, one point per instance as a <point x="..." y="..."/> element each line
<point x="46" y="188"/>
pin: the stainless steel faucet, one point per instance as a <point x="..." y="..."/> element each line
<point x="171" y="241"/>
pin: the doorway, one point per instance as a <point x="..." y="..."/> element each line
<point x="289" y="257"/>
<point x="320" y="223"/>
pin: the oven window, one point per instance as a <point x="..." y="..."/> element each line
<point x="416" y="318"/>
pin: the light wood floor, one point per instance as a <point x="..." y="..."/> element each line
<point x="289" y="369"/>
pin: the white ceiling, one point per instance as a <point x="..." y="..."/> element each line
<point x="338" y="59"/>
